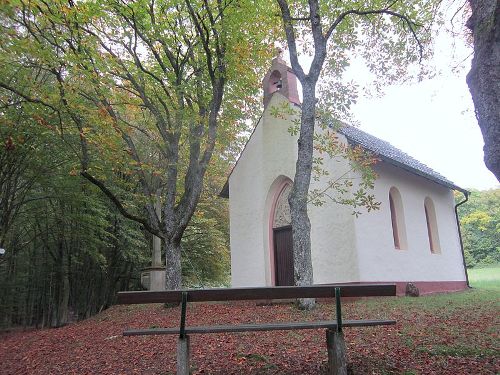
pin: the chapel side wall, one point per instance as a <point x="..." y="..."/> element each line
<point x="379" y="260"/>
<point x="333" y="239"/>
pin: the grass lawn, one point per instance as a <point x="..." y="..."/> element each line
<point x="454" y="333"/>
<point x="486" y="278"/>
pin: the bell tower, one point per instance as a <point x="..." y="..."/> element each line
<point x="280" y="78"/>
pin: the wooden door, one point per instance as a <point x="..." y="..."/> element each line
<point x="283" y="255"/>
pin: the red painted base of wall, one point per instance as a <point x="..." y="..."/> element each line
<point x="428" y="287"/>
<point x="424" y="287"/>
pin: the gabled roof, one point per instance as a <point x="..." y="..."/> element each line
<point x="392" y="155"/>
<point x="386" y="152"/>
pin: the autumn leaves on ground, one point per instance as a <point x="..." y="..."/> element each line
<point x="441" y="334"/>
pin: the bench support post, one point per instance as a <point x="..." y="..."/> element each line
<point x="335" y="343"/>
<point x="183" y="341"/>
<point x="182" y="329"/>
<point x="338" y="307"/>
<point x="337" y="362"/>
<point x="183" y="355"/>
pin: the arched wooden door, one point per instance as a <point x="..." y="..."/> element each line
<point x="282" y="239"/>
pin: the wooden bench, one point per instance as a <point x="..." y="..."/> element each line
<point x="334" y="334"/>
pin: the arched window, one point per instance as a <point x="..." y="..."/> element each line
<point x="397" y="219"/>
<point x="432" y="229"/>
<point x="282" y="216"/>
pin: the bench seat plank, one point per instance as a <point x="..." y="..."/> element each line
<point x="259" y="327"/>
<point x="259" y="293"/>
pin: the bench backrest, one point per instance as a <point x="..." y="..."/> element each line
<point x="259" y="293"/>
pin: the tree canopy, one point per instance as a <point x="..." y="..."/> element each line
<point x="389" y="35"/>
<point x="151" y="89"/>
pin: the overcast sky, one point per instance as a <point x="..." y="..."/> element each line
<point x="434" y="120"/>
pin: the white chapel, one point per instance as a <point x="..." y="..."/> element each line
<point x="412" y="238"/>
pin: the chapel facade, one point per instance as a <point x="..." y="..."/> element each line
<point x="412" y="238"/>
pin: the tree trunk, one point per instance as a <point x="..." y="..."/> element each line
<point x="173" y="274"/>
<point x="484" y="77"/>
<point x="8" y="293"/>
<point x="63" y="309"/>
<point x="301" y="226"/>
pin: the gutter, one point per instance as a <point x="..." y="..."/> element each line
<point x="466" y="194"/>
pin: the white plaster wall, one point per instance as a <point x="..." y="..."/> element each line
<point x="378" y="258"/>
<point x="270" y="153"/>
<point x="267" y="160"/>
<point x="333" y="239"/>
<point x="344" y="248"/>
<point x="245" y="189"/>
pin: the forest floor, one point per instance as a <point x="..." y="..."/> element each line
<point x="456" y="333"/>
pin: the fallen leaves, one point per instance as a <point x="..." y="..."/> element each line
<point x="458" y="338"/>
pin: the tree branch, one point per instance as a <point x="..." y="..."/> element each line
<point x="403" y="17"/>
<point x="28" y="98"/>
<point x="290" y="36"/>
<point x="120" y="206"/>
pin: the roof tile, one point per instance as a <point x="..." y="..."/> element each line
<point x="395" y="156"/>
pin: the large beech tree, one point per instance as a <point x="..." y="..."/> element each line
<point x="484" y="76"/>
<point x="152" y="88"/>
<point x="390" y="35"/>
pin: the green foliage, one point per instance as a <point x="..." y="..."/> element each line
<point x="485" y="278"/>
<point x="205" y="244"/>
<point x="67" y="249"/>
<point x="206" y="260"/>
<point x="137" y="89"/>
<point x="392" y="39"/>
<point x="480" y="225"/>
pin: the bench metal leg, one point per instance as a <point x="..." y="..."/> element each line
<point x="337" y="361"/>
<point x="183" y="355"/>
